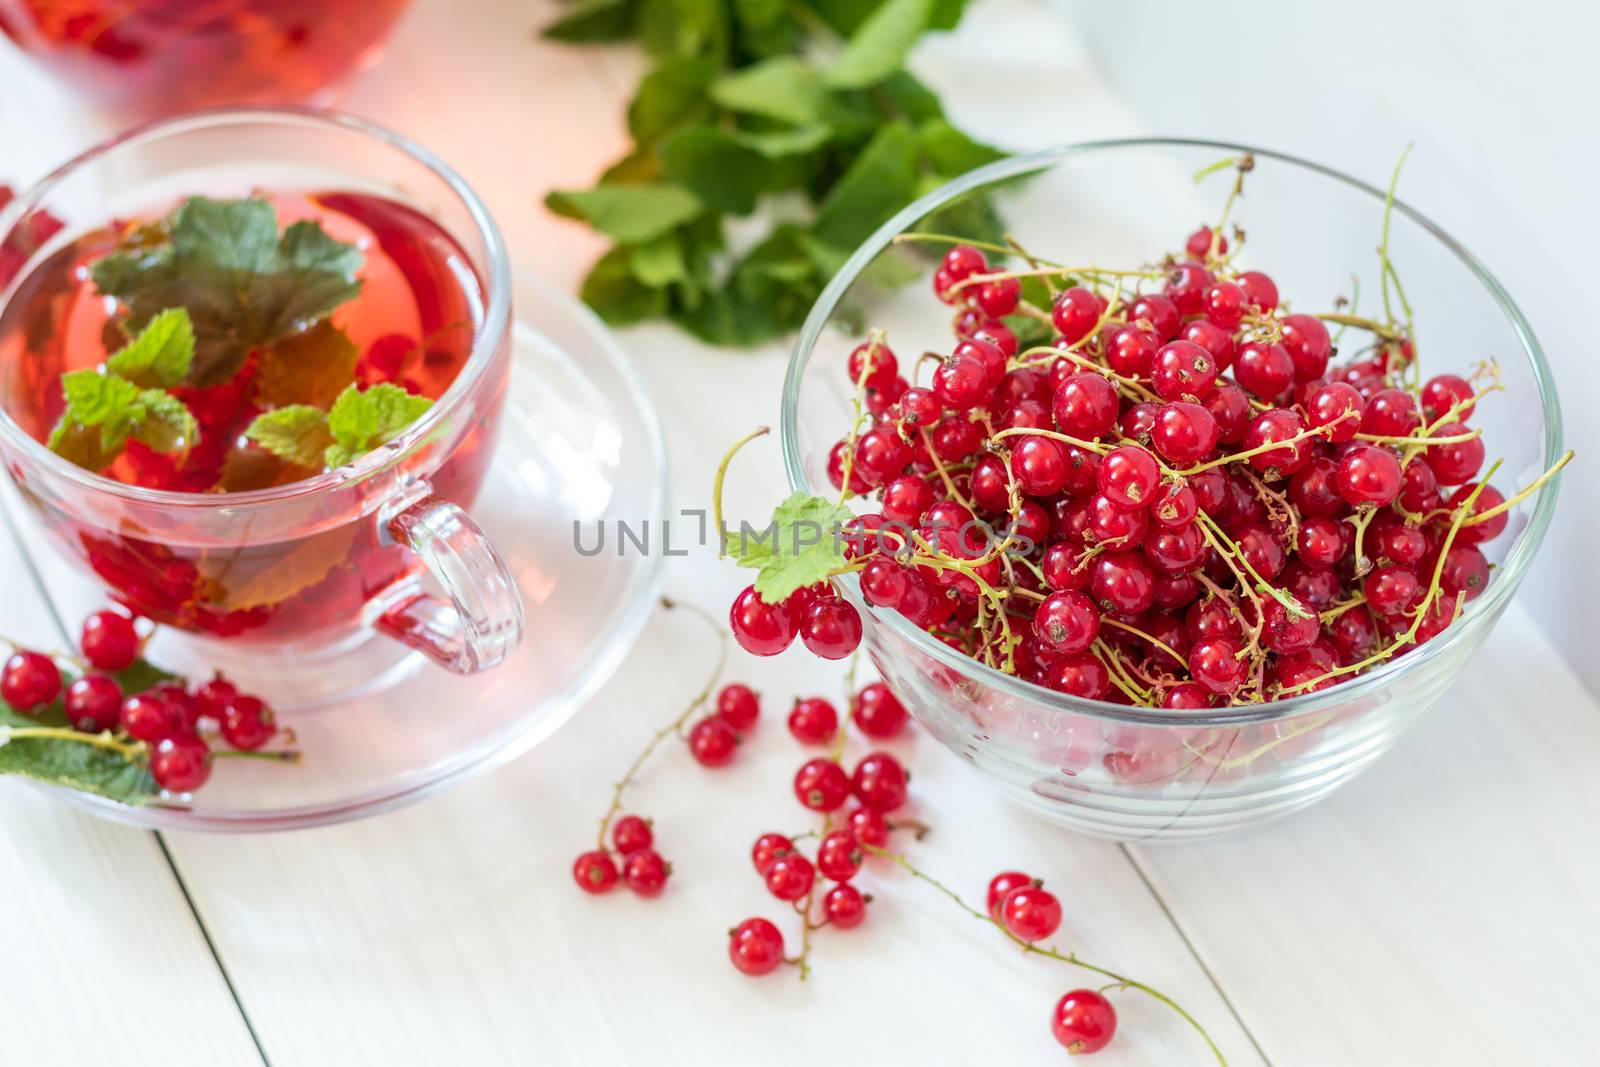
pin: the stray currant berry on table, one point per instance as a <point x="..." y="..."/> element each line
<point x="595" y="872"/>
<point x="631" y="833"/>
<point x="756" y="947"/>
<point x="738" y="705"/>
<point x="645" y="872"/>
<point x="1083" y="1021"/>
<point x="713" y="742"/>
<point x="813" y="721"/>
<point x="29" y="680"/>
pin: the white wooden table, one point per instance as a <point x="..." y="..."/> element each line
<point x="1443" y="909"/>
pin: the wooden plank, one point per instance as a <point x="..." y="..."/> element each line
<point x="1445" y="908"/>
<point x="102" y="957"/>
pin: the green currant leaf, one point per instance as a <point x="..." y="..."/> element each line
<point x="595" y="20"/>
<point x="715" y="167"/>
<point x="166" y="425"/>
<point x="800" y="547"/>
<point x="311" y="367"/>
<point x="364" y="419"/>
<point x="630" y="214"/>
<point x="160" y="356"/>
<point x="785" y="88"/>
<point x="243" y="284"/>
<point x="879" y="47"/>
<point x="671" y="96"/>
<point x="70" y="762"/>
<point x="296" y="433"/>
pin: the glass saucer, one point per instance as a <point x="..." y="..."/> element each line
<point x="580" y="442"/>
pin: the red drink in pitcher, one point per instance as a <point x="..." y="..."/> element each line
<point x="161" y="56"/>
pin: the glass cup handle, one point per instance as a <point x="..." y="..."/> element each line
<point x="478" y="622"/>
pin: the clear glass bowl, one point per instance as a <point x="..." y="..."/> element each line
<point x="1139" y="773"/>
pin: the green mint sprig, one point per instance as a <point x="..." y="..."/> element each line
<point x="243" y="283"/>
<point x="127" y="399"/>
<point x="750" y="100"/>
<point x="359" y="421"/>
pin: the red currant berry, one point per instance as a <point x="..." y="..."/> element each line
<point x="1390" y="413"/>
<point x="1084" y="1022"/>
<point x="1260" y="291"/>
<point x="919" y="407"/>
<point x="960" y="382"/>
<point x="1031" y="912"/>
<point x="1224" y="304"/>
<point x="1187" y="696"/>
<point x="247" y="723"/>
<point x="1082" y="676"/>
<point x="1441" y="394"/>
<point x="845" y="906"/>
<point x="881" y="455"/>
<point x="1392" y="589"/>
<point x="1320" y="543"/>
<point x="594" y="872"/>
<point x="1264" y="369"/>
<point x="1161" y="313"/>
<point x="1132" y="351"/>
<point x="1487" y="530"/>
<point x="630" y="833"/>
<point x="1283" y="632"/>
<point x="179" y="764"/>
<point x="713" y="742"/>
<point x="109" y="641"/>
<point x="1075" y="313"/>
<point x="1215" y="664"/>
<point x="645" y="872"/>
<point x="1086" y="406"/>
<point x="879" y="782"/>
<point x="963" y="261"/>
<point x="955" y="439"/>
<point x="813" y="721"/>
<point x="1002" y="884"/>
<point x="1465" y="570"/>
<point x="821" y="785"/>
<point x="147" y="717"/>
<point x="1038" y="465"/>
<point x="769" y="847"/>
<point x="1066" y="623"/>
<point x="94" y="703"/>
<point x="836" y="468"/>
<point x="877" y="712"/>
<point x="1199" y="243"/>
<point x="1369" y="476"/>
<point x="737" y="705"/>
<point x="1175" y="507"/>
<point x="1306" y="340"/>
<point x="1129" y="476"/>
<point x="1456" y="462"/>
<point x="1183" y="371"/>
<point x="789" y="877"/>
<point x="1270" y="427"/>
<point x="884" y="368"/>
<point x="868" y="826"/>
<point x="213" y="697"/>
<point x="1186" y="286"/>
<point x="905" y="499"/>
<point x="1338" y="408"/>
<point x="756" y="947"/>
<point x="29" y="680"/>
<point x="1122" y="582"/>
<point x="839" y="856"/>
<point x="1175" y="551"/>
<point x="1184" y="433"/>
<point x="761" y="629"/>
<point x="998" y="298"/>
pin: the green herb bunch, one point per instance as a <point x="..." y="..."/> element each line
<point x="748" y="101"/>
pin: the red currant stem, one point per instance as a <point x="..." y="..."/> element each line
<point x="1506" y="505"/>
<point x="280" y="756"/>
<point x="1119" y="624"/>
<point x="18" y="646"/>
<point x="1361" y="520"/>
<point x="858" y="405"/>
<point x="1242" y="165"/>
<point x="1226" y="547"/>
<point x="1419" y="442"/>
<point x="1389" y="274"/>
<point x="1360" y="323"/>
<point x="1222" y="164"/>
<point x="104" y="739"/>
<point x="1416" y="443"/>
<point x="1461" y="511"/>
<point x="1031" y="260"/>
<point x="716" y="486"/>
<point x="676" y="724"/>
<point x="803" y="961"/>
<point x="1026" y="431"/>
<point x="1088" y="272"/>
<point x="1342" y="607"/>
<point x="1119" y="677"/>
<point x="1235" y="457"/>
<point x="944" y="475"/>
<point x="919" y="829"/>
<point x="1132" y="385"/>
<point x="951" y="239"/>
<point x="1277" y="506"/>
<point x="1034" y="949"/>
